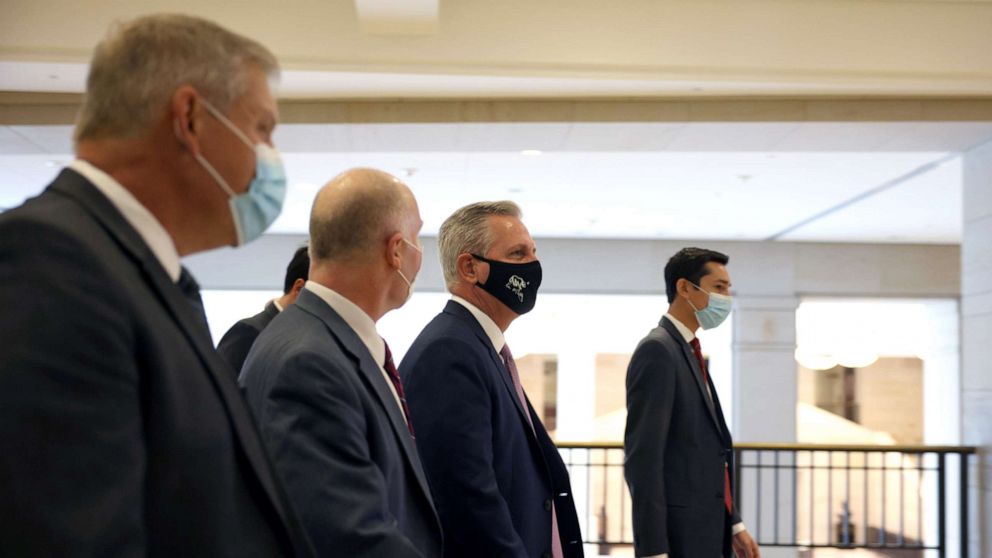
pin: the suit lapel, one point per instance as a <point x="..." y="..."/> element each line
<point x="179" y="308"/>
<point x="371" y="375"/>
<point x="697" y="373"/>
<point x="463" y="314"/>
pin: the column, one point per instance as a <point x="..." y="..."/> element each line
<point x="976" y="338"/>
<point x="764" y="404"/>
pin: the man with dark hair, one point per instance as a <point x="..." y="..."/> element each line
<point x="234" y="345"/>
<point x="677" y="446"/>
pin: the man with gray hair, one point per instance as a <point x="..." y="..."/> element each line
<point x="501" y="486"/>
<point x="122" y="433"/>
<point x="325" y="390"/>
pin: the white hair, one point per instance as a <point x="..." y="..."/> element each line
<point x="467" y="231"/>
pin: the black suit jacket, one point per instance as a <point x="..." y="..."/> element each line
<point x="338" y="438"/>
<point x="122" y="432"/>
<point x="676" y="446"/>
<point x="494" y="478"/>
<point x="234" y="345"/>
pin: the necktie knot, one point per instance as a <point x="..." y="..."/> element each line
<point x="191" y="291"/>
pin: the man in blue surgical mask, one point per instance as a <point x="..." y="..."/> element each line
<point x="122" y="432"/>
<point x="678" y="458"/>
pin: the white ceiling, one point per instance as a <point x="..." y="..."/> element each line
<point x="846" y="182"/>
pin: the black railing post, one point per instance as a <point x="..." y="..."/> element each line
<point x="941" y="505"/>
<point x="965" y="519"/>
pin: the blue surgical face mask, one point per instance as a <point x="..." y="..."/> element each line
<point x="715" y="312"/>
<point x="256" y="209"/>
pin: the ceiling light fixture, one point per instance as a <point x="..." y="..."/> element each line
<point x="530" y="152"/>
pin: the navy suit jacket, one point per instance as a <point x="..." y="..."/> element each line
<point x="494" y="478"/>
<point x="236" y="343"/>
<point x="122" y="433"/>
<point x="676" y="446"/>
<point x="338" y="438"/>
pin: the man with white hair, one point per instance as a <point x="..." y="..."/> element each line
<point x="324" y="387"/>
<point x="500" y="483"/>
<point x="122" y="433"/>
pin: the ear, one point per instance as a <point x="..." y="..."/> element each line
<point x="682" y="288"/>
<point x="297" y="286"/>
<point x="468" y="269"/>
<point x="187" y="117"/>
<point x="394" y="245"/>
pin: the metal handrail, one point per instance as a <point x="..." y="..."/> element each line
<point x="598" y="478"/>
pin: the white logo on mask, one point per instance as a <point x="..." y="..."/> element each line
<point x="517" y="285"/>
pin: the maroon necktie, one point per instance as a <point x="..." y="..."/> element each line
<point x="728" y="499"/>
<point x="394" y="375"/>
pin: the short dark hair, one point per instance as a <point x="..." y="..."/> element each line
<point x="298" y="268"/>
<point x="690" y="264"/>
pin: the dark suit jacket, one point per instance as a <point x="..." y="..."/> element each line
<point x="122" y="433"/>
<point x="676" y="446"/>
<point x="338" y="438"/>
<point x="493" y="479"/>
<point x="234" y="346"/>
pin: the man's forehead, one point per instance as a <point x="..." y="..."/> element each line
<point x="717" y="273"/>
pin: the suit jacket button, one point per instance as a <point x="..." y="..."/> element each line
<point x="547" y="504"/>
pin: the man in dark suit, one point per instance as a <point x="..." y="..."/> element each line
<point x="677" y="446"/>
<point x="234" y="345"/>
<point x="501" y="486"/>
<point x="324" y="387"/>
<point x="122" y="432"/>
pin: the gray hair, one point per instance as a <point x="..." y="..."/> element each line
<point x="140" y="64"/>
<point x="467" y="230"/>
<point x="354" y="212"/>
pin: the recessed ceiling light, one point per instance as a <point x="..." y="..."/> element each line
<point x="530" y="152"/>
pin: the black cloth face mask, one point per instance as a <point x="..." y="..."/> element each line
<point x="513" y="284"/>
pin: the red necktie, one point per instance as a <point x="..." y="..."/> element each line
<point x="728" y="499"/>
<point x="394" y="375"/>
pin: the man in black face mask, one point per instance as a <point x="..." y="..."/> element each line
<point x="500" y="485"/>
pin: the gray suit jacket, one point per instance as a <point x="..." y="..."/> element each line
<point x="338" y="438"/>
<point x="676" y="446"/>
<point x="121" y="431"/>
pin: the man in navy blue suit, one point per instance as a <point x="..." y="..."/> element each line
<point x="501" y="487"/>
<point x="325" y="390"/>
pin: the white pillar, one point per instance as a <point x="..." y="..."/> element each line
<point x="764" y="404"/>
<point x="976" y="337"/>
<point x="765" y="369"/>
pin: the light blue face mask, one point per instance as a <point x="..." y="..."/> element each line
<point x="715" y="312"/>
<point x="256" y="209"/>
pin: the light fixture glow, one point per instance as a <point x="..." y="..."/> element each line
<point x="530" y="152"/>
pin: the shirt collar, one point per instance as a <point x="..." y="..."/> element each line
<point x="137" y="215"/>
<point x="686" y="332"/>
<point x="275" y="302"/>
<point x="355" y="317"/>
<point x="488" y="325"/>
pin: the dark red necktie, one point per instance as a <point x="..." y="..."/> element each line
<point x="394" y="375"/>
<point x="728" y="499"/>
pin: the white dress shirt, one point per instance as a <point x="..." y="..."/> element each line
<point x="148" y="227"/>
<point x="363" y="326"/>
<point x="689" y="335"/>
